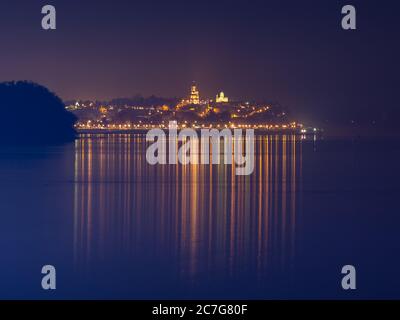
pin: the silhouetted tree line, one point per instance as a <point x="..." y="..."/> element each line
<point x="30" y="113"/>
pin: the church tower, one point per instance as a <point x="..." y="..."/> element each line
<point x="194" y="95"/>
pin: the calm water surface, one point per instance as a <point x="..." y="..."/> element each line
<point x="117" y="227"/>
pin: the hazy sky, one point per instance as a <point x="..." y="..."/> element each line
<point x="294" y="52"/>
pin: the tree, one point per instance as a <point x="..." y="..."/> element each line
<point x="30" y="113"/>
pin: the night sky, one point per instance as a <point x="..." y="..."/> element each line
<point x="294" y="52"/>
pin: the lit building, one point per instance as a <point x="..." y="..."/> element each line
<point x="103" y="110"/>
<point x="221" y="98"/>
<point x="194" y="95"/>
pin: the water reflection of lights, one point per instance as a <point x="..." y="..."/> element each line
<point x="204" y="216"/>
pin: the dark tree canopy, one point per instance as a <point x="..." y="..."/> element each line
<point x="30" y="113"/>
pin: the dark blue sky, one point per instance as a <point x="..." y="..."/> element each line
<point x="294" y="52"/>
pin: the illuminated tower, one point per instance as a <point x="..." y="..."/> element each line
<point x="221" y="98"/>
<point x="194" y="95"/>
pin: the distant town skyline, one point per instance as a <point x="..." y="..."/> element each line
<point x="192" y="95"/>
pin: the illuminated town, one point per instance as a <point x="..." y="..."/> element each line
<point x="193" y="111"/>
